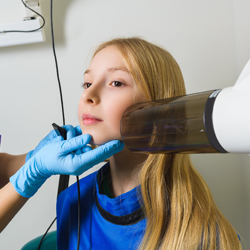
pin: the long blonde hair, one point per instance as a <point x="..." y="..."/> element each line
<point x="178" y="205"/>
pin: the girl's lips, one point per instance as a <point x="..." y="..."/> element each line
<point x="89" y="116"/>
<point x="89" y="119"/>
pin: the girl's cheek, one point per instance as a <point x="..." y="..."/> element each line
<point x="115" y="112"/>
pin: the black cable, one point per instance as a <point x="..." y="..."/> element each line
<point x="59" y="83"/>
<point x="54" y="52"/>
<point x="79" y="213"/>
<point x="9" y="31"/>
<point x="77" y="177"/>
<point x="46" y="233"/>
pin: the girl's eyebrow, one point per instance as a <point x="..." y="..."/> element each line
<point x="109" y="70"/>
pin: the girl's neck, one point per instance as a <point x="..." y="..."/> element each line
<point x="124" y="168"/>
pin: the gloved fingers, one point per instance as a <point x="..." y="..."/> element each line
<point x="52" y="134"/>
<point x="57" y="139"/>
<point x="41" y="145"/>
<point x="52" y="141"/>
<point x="78" y="130"/>
<point x="75" y="143"/>
<point x="78" y="151"/>
<point x="83" y="150"/>
<point x="105" y="151"/>
<point x="70" y="131"/>
<point x="89" y="159"/>
<point x="45" y="141"/>
<point x="86" y="149"/>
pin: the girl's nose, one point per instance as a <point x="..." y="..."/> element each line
<point x="90" y="96"/>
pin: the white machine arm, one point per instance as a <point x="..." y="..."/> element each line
<point x="231" y="115"/>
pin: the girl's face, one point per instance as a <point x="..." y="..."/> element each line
<point x="108" y="92"/>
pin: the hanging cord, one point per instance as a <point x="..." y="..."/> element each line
<point x="54" y="52"/>
<point x="79" y="213"/>
<point x="77" y="178"/>
<point x="46" y="233"/>
<point x="25" y="31"/>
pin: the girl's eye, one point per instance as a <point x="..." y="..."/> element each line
<point x="117" y="84"/>
<point x="86" y="85"/>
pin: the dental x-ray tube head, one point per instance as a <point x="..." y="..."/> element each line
<point x="216" y="121"/>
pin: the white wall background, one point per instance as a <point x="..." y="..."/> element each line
<point x="209" y="39"/>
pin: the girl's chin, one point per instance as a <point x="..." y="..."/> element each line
<point x="97" y="142"/>
<point x="101" y="142"/>
<point x="98" y="139"/>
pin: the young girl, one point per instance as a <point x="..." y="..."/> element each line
<point x="137" y="201"/>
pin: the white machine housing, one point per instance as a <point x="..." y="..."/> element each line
<point x="231" y="115"/>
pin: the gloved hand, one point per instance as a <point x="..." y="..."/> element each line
<point x="57" y="158"/>
<point x="71" y="133"/>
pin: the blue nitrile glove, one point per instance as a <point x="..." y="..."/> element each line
<point x="57" y="158"/>
<point x="71" y="133"/>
